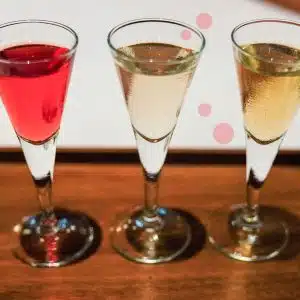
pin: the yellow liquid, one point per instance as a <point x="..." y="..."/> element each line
<point x="270" y="89"/>
<point x="154" y="91"/>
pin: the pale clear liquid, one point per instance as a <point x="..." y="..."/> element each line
<point x="154" y="91"/>
<point x="270" y="89"/>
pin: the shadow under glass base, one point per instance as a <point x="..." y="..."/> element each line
<point x="150" y="240"/>
<point x="71" y="238"/>
<point x="231" y="235"/>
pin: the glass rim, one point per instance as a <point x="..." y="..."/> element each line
<point x="256" y="21"/>
<point x="155" y="20"/>
<point x="41" y="21"/>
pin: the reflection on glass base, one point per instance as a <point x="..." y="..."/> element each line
<point x="71" y="237"/>
<point x="151" y="240"/>
<point x="239" y="241"/>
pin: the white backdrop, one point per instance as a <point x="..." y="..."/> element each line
<point x="95" y="114"/>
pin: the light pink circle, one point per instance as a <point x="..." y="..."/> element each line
<point x="223" y="133"/>
<point x="204" y="110"/>
<point x="204" y="20"/>
<point x="185" y="34"/>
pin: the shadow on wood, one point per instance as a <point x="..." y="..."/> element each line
<point x="198" y="235"/>
<point x="293" y="222"/>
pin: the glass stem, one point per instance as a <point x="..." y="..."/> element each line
<point x="151" y="194"/>
<point x="260" y="158"/>
<point x="44" y="195"/>
<point x="252" y="198"/>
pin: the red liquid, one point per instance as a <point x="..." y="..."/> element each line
<point x="34" y="94"/>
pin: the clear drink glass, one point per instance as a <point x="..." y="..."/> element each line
<point x="155" y="61"/>
<point x="36" y="58"/>
<point x="267" y="56"/>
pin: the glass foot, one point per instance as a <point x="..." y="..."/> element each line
<point x="158" y="239"/>
<point x="70" y="238"/>
<point x="240" y="241"/>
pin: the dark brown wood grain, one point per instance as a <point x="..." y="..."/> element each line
<point x="102" y="191"/>
<point x="129" y="156"/>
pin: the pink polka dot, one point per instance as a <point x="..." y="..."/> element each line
<point x="204" y="110"/>
<point x="204" y="20"/>
<point x="223" y="133"/>
<point x="185" y="34"/>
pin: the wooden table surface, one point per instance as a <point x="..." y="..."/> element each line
<point x="102" y="190"/>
